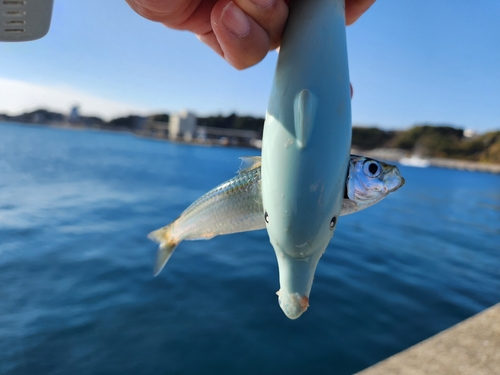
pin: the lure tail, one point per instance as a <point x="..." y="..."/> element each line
<point x="167" y="247"/>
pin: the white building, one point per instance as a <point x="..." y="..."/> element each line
<point x="182" y="125"/>
<point x="469" y="133"/>
<point x="74" y="115"/>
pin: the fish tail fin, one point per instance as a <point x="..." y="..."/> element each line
<point x="167" y="247"/>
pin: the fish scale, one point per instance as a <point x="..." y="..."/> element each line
<point x="234" y="206"/>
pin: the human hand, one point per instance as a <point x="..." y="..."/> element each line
<point x="241" y="31"/>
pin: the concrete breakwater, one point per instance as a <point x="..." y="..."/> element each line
<point x="397" y="154"/>
<point x="470" y="347"/>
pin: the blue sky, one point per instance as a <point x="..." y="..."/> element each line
<point x="410" y="62"/>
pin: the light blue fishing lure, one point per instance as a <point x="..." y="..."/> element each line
<point x="306" y="143"/>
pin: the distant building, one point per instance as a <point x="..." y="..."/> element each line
<point x="469" y="133"/>
<point x="38" y="117"/>
<point x="182" y="125"/>
<point x="225" y="137"/>
<point x="74" y="115"/>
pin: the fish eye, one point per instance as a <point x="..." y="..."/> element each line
<point x="266" y="217"/>
<point x="333" y="222"/>
<point x="372" y="168"/>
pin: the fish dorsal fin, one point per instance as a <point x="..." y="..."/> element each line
<point x="249" y="162"/>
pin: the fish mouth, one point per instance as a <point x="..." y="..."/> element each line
<point x="401" y="181"/>
<point x="393" y="180"/>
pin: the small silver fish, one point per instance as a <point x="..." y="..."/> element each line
<point x="236" y="205"/>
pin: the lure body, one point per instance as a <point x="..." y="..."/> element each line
<point x="306" y="144"/>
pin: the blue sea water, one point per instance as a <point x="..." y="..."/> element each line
<point x="77" y="295"/>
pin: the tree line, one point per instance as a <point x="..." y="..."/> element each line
<point x="432" y="141"/>
<point x="426" y="140"/>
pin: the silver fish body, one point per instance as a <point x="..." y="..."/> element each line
<point x="236" y="205"/>
<point x="233" y="206"/>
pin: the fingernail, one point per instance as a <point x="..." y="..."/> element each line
<point x="263" y="3"/>
<point x="234" y="20"/>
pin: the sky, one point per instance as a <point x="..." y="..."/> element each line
<point x="410" y="62"/>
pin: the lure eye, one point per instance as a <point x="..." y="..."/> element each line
<point x="266" y="217"/>
<point x="372" y="168"/>
<point x="333" y="222"/>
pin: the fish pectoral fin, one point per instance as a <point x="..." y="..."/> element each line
<point x="167" y="247"/>
<point x="249" y="162"/>
<point x="348" y="207"/>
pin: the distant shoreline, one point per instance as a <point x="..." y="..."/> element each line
<point x="388" y="154"/>
<point x="395" y="155"/>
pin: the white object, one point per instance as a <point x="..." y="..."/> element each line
<point x="415" y="161"/>
<point x="24" y="20"/>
